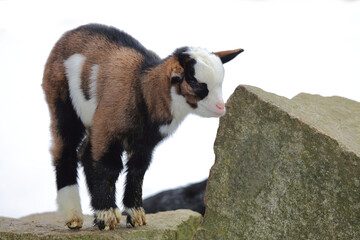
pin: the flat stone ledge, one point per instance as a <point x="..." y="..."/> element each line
<point x="179" y="224"/>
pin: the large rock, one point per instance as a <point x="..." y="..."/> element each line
<point x="285" y="169"/>
<point x="180" y="224"/>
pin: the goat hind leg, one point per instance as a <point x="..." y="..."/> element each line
<point x="67" y="131"/>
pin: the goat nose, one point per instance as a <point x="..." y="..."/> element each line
<point x="220" y="106"/>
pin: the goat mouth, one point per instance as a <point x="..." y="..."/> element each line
<point x="217" y="113"/>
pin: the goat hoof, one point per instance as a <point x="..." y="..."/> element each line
<point x="107" y="219"/>
<point x="75" y="223"/>
<point x="136" y="217"/>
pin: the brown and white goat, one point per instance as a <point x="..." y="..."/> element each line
<point x="108" y="94"/>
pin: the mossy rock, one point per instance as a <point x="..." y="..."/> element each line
<point x="285" y="169"/>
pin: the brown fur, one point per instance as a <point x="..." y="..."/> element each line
<point x="117" y="91"/>
<point x="56" y="87"/>
<point x="117" y="111"/>
<point x="85" y="79"/>
<point x="118" y="98"/>
<point x="55" y="84"/>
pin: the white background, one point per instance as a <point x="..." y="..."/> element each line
<point x="290" y="47"/>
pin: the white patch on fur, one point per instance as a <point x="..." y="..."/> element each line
<point x="209" y="69"/>
<point x="68" y="201"/>
<point x="179" y="110"/>
<point x="85" y="109"/>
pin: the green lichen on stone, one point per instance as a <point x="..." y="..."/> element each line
<point x="279" y="174"/>
<point x="186" y="230"/>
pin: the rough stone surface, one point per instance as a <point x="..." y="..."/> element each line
<point x="285" y="169"/>
<point x="180" y="224"/>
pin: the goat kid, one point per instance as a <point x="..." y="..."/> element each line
<point x="108" y="94"/>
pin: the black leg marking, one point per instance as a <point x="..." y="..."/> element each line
<point x="71" y="130"/>
<point x="101" y="177"/>
<point x="137" y="165"/>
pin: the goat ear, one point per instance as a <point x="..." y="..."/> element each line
<point x="226" y="56"/>
<point x="177" y="75"/>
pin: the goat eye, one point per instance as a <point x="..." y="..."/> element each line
<point x="201" y="90"/>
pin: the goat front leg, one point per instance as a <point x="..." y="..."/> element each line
<point x="101" y="176"/>
<point x="137" y="165"/>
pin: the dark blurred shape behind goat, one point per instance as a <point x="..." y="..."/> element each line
<point x="189" y="197"/>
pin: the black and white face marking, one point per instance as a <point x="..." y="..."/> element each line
<point x="204" y="72"/>
<point x="200" y="91"/>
